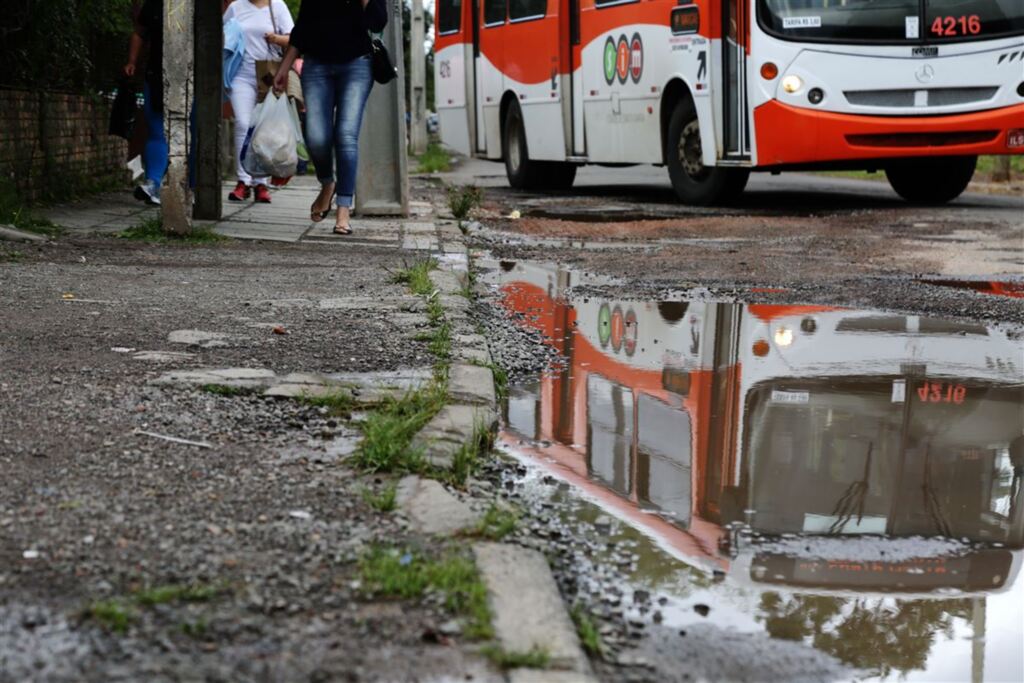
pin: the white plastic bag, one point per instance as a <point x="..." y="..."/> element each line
<point x="271" y="142"/>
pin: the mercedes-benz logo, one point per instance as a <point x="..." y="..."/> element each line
<point x="925" y="74"/>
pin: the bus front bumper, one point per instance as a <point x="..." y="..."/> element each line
<point x="793" y="135"/>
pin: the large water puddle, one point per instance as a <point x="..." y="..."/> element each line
<point x="847" y="479"/>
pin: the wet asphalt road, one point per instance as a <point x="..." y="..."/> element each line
<point x="793" y="238"/>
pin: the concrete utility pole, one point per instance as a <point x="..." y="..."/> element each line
<point x="418" y="80"/>
<point x="176" y="198"/>
<point x="1001" y="174"/>
<point x="209" y="93"/>
<point x="382" y="186"/>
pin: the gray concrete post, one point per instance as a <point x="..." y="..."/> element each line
<point x="176" y="198"/>
<point x="382" y="184"/>
<point x="417" y="81"/>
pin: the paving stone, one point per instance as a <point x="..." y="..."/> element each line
<point x="527" y="606"/>
<point x="163" y="356"/>
<point x="453" y="427"/>
<point x="12" y="234"/>
<point x="413" y="243"/>
<point x="445" y="281"/>
<point x="538" y="676"/>
<point x="206" y="340"/>
<point x="471" y="384"/>
<point x="432" y="509"/>
<point x="237" y="377"/>
<point x="468" y="354"/>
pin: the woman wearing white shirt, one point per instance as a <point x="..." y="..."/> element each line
<point x="266" y="25"/>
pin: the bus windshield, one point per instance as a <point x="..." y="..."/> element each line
<point x="891" y="21"/>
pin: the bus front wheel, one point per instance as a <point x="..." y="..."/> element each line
<point x="931" y="180"/>
<point x="693" y="182"/>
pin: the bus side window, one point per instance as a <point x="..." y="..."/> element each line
<point x="449" y="19"/>
<point x="494" y="12"/>
<point x="520" y="10"/>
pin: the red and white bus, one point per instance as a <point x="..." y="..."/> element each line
<point x="714" y="89"/>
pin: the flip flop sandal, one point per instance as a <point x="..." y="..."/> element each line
<point x="342" y="229"/>
<point x="317" y="216"/>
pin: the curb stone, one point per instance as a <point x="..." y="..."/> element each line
<point x="432" y="509"/>
<point x="527" y="607"/>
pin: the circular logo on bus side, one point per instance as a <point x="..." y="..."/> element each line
<point x="604" y="320"/>
<point x="618" y="329"/>
<point x="609" y="61"/>
<point x="632" y="331"/>
<point x="622" y="60"/>
<point x="636" y="58"/>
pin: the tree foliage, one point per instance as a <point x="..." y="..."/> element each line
<point x="72" y="45"/>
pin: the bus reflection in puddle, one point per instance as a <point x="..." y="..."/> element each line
<point x="850" y="471"/>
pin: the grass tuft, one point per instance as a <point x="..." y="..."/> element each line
<point x="385" y="501"/>
<point x="195" y="629"/>
<point x="503" y="659"/>
<point x="405" y="574"/>
<point x="152" y="230"/>
<point x="462" y="200"/>
<point x="466" y="460"/>
<point x="434" y="160"/>
<point x="112" y="615"/>
<point x="162" y="595"/>
<point x="338" y="403"/>
<point x="589" y="635"/>
<point x="388" y="431"/>
<point x="496" y="523"/>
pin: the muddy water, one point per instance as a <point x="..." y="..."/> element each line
<point x="847" y="481"/>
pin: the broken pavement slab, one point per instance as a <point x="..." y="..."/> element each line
<point x="471" y="384"/>
<point x="432" y="509"/>
<point x="452" y="428"/>
<point x="528" y="611"/>
<point x="10" y="233"/>
<point x="206" y="340"/>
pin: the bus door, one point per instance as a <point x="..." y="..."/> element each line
<point x="477" y="112"/>
<point x="572" y="82"/>
<point x="736" y="37"/>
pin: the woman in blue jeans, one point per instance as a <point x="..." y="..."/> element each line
<point x="333" y="38"/>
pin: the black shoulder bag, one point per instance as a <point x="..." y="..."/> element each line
<point x="384" y="70"/>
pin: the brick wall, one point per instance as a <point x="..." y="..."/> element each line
<point x="51" y="139"/>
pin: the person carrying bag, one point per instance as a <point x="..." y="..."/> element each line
<point x="266" y="25"/>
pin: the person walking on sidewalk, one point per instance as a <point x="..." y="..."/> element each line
<point x="149" y="28"/>
<point x="265" y="25"/>
<point x="333" y="38"/>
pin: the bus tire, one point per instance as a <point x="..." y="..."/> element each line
<point x="931" y="180"/>
<point x="523" y="174"/>
<point x="560" y="175"/>
<point x="693" y="182"/>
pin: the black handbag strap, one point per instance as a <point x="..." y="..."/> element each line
<point x="273" y="23"/>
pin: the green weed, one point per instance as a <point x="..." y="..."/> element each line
<point x="405" y="574"/>
<point x="434" y="160"/>
<point x="388" y="431"/>
<point x="462" y="200"/>
<point x="338" y="403"/>
<point x="112" y="615"/>
<point x="162" y="595"/>
<point x="385" y="501"/>
<point x="590" y="637"/>
<point x="16" y="212"/>
<point x="503" y="659"/>
<point x="152" y="230"/>
<point x="195" y="629"/>
<point x="10" y="256"/>
<point x="417" y="277"/>
<point x="497" y="523"/>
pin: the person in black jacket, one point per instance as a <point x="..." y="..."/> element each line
<point x="333" y="37"/>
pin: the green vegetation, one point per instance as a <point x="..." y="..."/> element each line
<point x="225" y="390"/>
<point x="534" y="659"/>
<point x="500" y="381"/>
<point x="388" y="431"/>
<point x="338" y="403"/>
<point x="162" y="595"/>
<point x="434" y="160"/>
<point x="385" y="501"/>
<point x="497" y="523"/>
<point x="987" y="164"/>
<point x="112" y="615"/>
<point x="152" y="230"/>
<point x="17" y="213"/>
<point x="590" y="637"/>
<point x="466" y="460"/>
<point x="195" y="629"/>
<point x="462" y="200"/>
<point x="10" y="256"/>
<point x="393" y="572"/>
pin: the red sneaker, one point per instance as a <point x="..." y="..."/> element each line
<point x="262" y="194"/>
<point x="240" y="193"/>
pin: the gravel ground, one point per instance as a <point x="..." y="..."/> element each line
<point x="267" y="519"/>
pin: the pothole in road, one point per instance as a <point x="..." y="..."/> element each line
<point x="848" y="480"/>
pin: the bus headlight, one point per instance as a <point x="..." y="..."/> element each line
<point x="792" y="84"/>
<point x="783" y="336"/>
